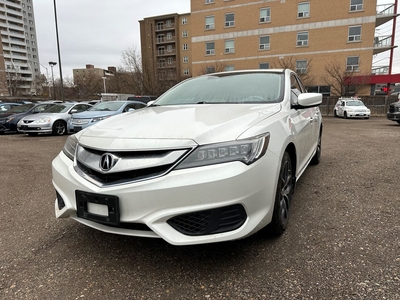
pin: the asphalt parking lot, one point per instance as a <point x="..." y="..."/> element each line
<point x="343" y="239"/>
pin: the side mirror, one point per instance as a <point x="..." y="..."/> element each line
<point x="150" y="102"/>
<point x="73" y="111"/>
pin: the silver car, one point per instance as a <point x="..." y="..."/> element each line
<point x="53" y="120"/>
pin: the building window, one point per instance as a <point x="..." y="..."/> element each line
<point x="301" y="66"/>
<point x="160" y="25"/>
<point x="210" y="69"/>
<point x="170" y="60"/>
<point x="302" y="38"/>
<point x="352" y="63"/>
<point x="264" y="42"/>
<point x="263" y="65"/>
<point x="210" y="48"/>
<point x="168" y="23"/>
<point x="230" y="46"/>
<point x="265" y="15"/>
<point x="161" y="50"/>
<point x="185" y="59"/>
<point x="356" y="5"/>
<point x="185" y="72"/>
<point x="169" y="48"/>
<point x="210" y="22"/>
<point x="169" y="36"/>
<point x="208" y="1"/>
<point x="184" y="21"/>
<point x="185" y="34"/>
<point x="303" y="10"/>
<point x="229" y="20"/>
<point x="354" y="33"/>
<point x="230" y="68"/>
<point x="185" y="47"/>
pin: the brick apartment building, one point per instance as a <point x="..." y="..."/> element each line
<point x="308" y="36"/>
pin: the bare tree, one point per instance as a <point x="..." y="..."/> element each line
<point x="142" y="73"/>
<point x="88" y="86"/>
<point x="14" y="81"/>
<point x="304" y="72"/>
<point x="343" y="82"/>
<point x="217" y="66"/>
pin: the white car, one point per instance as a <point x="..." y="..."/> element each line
<point x="351" y="108"/>
<point x="215" y="158"/>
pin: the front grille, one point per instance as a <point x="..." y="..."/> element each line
<point x="129" y="166"/>
<point x="211" y="221"/>
<point x="392" y="109"/>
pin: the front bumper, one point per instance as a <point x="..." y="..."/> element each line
<point x="37" y="128"/>
<point x="152" y="208"/>
<point x="393" y="116"/>
<point x="358" y="115"/>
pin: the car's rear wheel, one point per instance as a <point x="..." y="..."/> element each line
<point x="398" y="122"/>
<point x="284" y="192"/>
<point x="335" y="113"/>
<point x="59" y="128"/>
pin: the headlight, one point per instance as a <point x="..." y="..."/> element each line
<point x="70" y="147"/>
<point x="42" y="120"/>
<point x="246" y="151"/>
<point x="99" y="119"/>
<point x="350" y="111"/>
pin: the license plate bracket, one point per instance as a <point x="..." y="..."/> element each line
<point x="112" y="203"/>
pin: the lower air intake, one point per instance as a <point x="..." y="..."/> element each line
<point x="211" y="221"/>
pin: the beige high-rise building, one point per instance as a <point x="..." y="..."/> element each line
<point x="316" y="38"/>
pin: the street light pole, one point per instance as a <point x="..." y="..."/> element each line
<point x="52" y="64"/>
<point x="59" y="55"/>
<point x="104" y="83"/>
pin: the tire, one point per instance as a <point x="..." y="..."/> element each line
<point x="32" y="133"/>
<point x="345" y="115"/>
<point x="398" y="122"/>
<point x="283" y="197"/>
<point x="59" y="128"/>
<point x="335" y="113"/>
<point x="317" y="156"/>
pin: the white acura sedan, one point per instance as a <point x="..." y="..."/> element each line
<point x="215" y="158"/>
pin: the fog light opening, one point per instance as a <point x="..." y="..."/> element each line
<point x="60" y="201"/>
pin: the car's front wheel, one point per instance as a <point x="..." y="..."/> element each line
<point x="317" y="156"/>
<point x="283" y="197"/>
<point x="59" y="128"/>
<point x="335" y="113"/>
<point x="345" y="115"/>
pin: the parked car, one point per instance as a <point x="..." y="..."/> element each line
<point x="215" y="158"/>
<point x="5" y="106"/>
<point x="393" y="113"/>
<point x="53" y="120"/>
<point x="9" y="119"/>
<point x="351" y="108"/>
<point x="143" y="98"/>
<point x="101" y="111"/>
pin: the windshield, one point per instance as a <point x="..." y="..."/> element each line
<point x="354" y="103"/>
<point x="58" y="108"/>
<point x="20" y="108"/>
<point x="107" y="106"/>
<point x="226" y="88"/>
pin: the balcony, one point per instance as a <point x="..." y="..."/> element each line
<point x="383" y="70"/>
<point x="166" y="52"/>
<point x="165" y="40"/>
<point x="164" y="27"/>
<point x="164" y="65"/>
<point x="384" y="13"/>
<point x="382" y="43"/>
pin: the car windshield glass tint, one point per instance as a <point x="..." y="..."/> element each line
<point x="106" y="106"/>
<point x="226" y="88"/>
<point x="20" y="108"/>
<point x="59" y="108"/>
<point x="355" y="103"/>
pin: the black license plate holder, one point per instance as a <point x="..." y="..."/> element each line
<point x="84" y="199"/>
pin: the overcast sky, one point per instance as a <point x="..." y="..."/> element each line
<point x="94" y="31"/>
<point x="98" y="31"/>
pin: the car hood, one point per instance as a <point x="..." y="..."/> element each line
<point x="6" y="115"/>
<point x="94" y="114"/>
<point x="43" y="115"/>
<point x="175" y="126"/>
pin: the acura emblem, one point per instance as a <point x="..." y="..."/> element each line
<point x="107" y="161"/>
